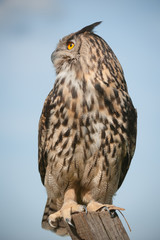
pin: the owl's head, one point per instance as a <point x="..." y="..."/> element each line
<point x="79" y="51"/>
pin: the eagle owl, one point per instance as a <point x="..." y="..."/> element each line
<point x="87" y="129"/>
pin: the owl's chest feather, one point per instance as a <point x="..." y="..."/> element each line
<point x="80" y="124"/>
<point x="78" y="120"/>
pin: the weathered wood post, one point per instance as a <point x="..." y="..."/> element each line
<point x="97" y="226"/>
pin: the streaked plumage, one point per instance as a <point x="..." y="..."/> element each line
<point x="87" y="129"/>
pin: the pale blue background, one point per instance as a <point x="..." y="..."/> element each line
<point x="29" y="32"/>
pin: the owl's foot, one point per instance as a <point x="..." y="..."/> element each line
<point x="65" y="212"/>
<point x="94" y="206"/>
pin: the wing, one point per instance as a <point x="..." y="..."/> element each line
<point x="128" y="112"/>
<point x="42" y="136"/>
<point x="131" y="135"/>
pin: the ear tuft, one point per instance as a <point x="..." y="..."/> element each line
<point x="88" y="28"/>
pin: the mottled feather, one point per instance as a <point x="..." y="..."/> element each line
<point x="87" y="129"/>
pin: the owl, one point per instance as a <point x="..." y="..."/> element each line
<point x="87" y="129"/>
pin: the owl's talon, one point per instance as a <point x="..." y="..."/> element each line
<point x="104" y="209"/>
<point x="94" y="206"/>
<point x="50" y="223"/>
<point x="85" y="209"/>
<point x="112" y="213"/>
<point x="68" y="208"/>
<point x="69" y="222"/>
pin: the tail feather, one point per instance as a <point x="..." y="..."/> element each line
<point x="51" y="208"/>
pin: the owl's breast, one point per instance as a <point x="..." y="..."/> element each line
<point x="70" y="147"/>
<point x="80" y="122"/>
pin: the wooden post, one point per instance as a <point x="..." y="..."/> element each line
<point x="96" y="226"/>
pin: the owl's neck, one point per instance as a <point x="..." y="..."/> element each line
<point x="87" y="94"/>
<point x="79" y="95"/>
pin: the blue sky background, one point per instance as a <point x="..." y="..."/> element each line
<point x="29" y="32"/>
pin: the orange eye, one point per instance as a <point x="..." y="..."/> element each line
<point x="70" y="45"/>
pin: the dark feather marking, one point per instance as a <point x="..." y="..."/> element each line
<point x="74" y="126"/>
<point x="96" y="38"/>
<point x="59" y="140"/>
<point x="81" y="122"/>
<point x="124" y="130"/>
<point x="102" y="145"/>
<point x="64" y="123"/>
<point x="85" y="155"/>
<point x="92" y="130"/>
<point x="75" y="141"/>
<point x="84" y="85"/>
<point x="67" y="153"/>
<point x="103" y="44"/>
<point x="103" y="134"/>
<point x="59" y="154"/>
<point x="109" y="149"/>
<point x="57" y="124"/>
<point x="60" y="93"/>
<point x="92" y="41"/>
<point x="106" y="123"/>
<point x="75" y="165"/>
<point x="106" y="160"/>
<point x="111" y="139"/>
<point x="99" y="89"/>
<point x="114" y="152"/>
<point x="86" y="145"/>
<point x="60" y="137"/>
<point x="73" y="106"/>
<point x="104" y="166"/>
<point x="67" y="133"/>
<point x="74" y="92"/>
<point x="62" y="80"/>
<point x="57" y="114"/>
<point x="61" y="108"/>
<point x="66" y="187"/>
<point x="116" y="123"/>
<point x="113" y="129"/>
<point x="90" y="139"/>
<point x="100" y="179"/>
<point x="78" y="170"/>
<point x="89" y="171"/>
<point x="106" y="141"/>
<point x="109" y="105"/>
<point x="65" y="144"/>
<point x="87" y="122"/>
<point x="117" y="114"/>
<point x="122" y="138"/>
<point x="106" y="83"/>
<point x="100" y="69"/>
<point x="44" y="215"/>
<point x="97" y="51"/>
<point x="69" y="163"/>
<point x="52" y="209"/>
<point x="117" y="96"/>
